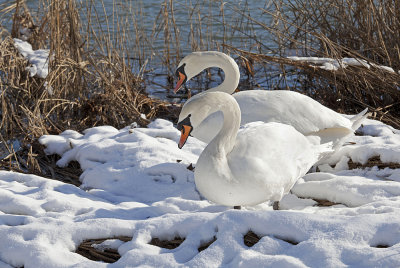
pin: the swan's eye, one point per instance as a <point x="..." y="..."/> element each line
<point x="180" y="73"/>
<point x="180" y="70"/>
<point x="184" y="122"/>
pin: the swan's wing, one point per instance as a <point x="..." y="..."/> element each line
<point x="289" y="107"/>
<point x="358" y="119"/>
<point x="273" y="155"/>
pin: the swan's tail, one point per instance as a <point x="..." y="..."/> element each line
<point x="358" y="119"/>
<point x="325" y="149"/>
<point x="321" y="149"/>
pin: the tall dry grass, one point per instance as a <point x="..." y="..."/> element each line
<point x="85" y="87"/>
<point x="97" y="72"/>
<point x="366" y="30"/>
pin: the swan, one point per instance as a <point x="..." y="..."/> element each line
<point x="260" y="162"/>
<point x="306" y="115"/>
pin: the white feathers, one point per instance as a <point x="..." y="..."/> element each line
<point x="261" y="162"/>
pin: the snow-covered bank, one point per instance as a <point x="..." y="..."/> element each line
<point x="330" y="64"/>
<point x="136" y="183"/>
<point x="38" y="59"/>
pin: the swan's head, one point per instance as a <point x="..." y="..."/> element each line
<point x="194" y="63"/>
<point x="182" y="77"/>
<point x="186" y="128"/>
<point x="188" y="67"/>
<point x="198" y="109"/>
<point x="191" y="112"/>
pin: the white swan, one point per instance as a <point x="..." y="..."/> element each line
<point x="261" y="162"/>
<point x="306" y="115"/>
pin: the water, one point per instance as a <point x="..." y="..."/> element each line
<point x="201" y="25"/>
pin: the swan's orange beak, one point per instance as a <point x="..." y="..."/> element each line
<point x="185" y="131"/>
<point x="181" y="81"/>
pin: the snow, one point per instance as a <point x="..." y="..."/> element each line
<point x="38" y="59"/>
<point x="330" y="64"/>
<point x="108" y="244"/>
<point x="136" y="183"/>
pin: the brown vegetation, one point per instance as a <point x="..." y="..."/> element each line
<point x="84" y="88"/>
<point x="373" y="162"/>
<point x="87" y="250"/>
<point x="365" y="30"/>
<point x="251" y="238"/>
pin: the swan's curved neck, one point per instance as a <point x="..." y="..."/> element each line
<point x="230" y="68"/>
<point x="225" y="140"/>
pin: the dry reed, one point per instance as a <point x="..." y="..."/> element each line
<point x="85" y="87"/>
<point x="365" y="30"/>
<point x="88" y="88"/>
